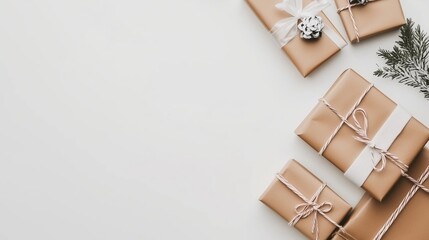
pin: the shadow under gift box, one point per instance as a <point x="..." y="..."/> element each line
<point x="375" y="17"/>
<point x="369" y="215"/>
<point x="282" y="200"/>
<point x="306" y="55"/>
<point x="342" y="151"/>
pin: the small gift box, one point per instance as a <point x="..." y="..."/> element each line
<point x="302" y="30"/>
<point x="365" y="18"/>
<point x="403" y="214"/>
<point x="364" y="133"/>
<point x="305" y="202"/>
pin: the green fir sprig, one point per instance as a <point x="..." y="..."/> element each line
<point x="408" y="61"/>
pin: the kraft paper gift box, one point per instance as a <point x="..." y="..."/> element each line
<point x="364" y="148"/>
<point x="283" y="200"/>
<point x="305" y="54"/>
<point x="374" y="17"/>
<point x="371" y="217"/>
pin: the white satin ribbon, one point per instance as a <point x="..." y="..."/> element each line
<point x="286" y="29"/>
<point x="361" y="168"/>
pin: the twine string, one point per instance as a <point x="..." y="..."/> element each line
<point x="404" y="203"/>
<point x="311" y="207"/>
<point x="361" y="130"/>
<point x="352" y="18"/>
<point x="343" y="119"/>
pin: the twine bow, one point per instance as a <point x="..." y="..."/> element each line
<point x="286" y="29"/>
<point x="361" y="130"/>
<point x="310" y="206"/>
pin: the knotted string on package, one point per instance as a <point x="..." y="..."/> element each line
<point x="350" y="5"/>
<point x="361" y="130"/>
<point x="286" y="29"/>
<point x="311" y="207"/>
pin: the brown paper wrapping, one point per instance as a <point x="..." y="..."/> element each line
<point x="307" y="55"/>
<point x="283" y="201"/>
<point x="373" y="18"/>
<point x="412" y="223"/>
<point x="318" y="126"/>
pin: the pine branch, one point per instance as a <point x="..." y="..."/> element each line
<point x="408" y="61"/>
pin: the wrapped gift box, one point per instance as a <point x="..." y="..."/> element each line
<point x="374" y="17"/>
<point x="306" y="55"/>
<point x="370" y="215"/>
<point x="387" y="129"/>
<point x="285" y="202"/>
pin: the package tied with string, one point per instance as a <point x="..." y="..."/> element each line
<point x="305" y="202"/>
<point x="403" y="214"/>
<point x="364" y="133"/>
<point x="301" y="29"/>
<point x="365" y="18"/>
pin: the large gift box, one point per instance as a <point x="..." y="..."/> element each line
<point x="364" y="133"/>
<point x="403" y="214"/>
<point x="365" y="18"/>
<point x="306" y="54"/>
<point x="305" y="202"/>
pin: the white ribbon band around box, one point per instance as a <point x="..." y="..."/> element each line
<point x="362" y="167"/>
<point x="335" y="37"/>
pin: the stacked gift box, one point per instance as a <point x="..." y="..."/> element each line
<point x="380" y="147"/>
<point x="376" y="143"/>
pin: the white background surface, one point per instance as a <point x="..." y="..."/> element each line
<point x="158" y="119"/>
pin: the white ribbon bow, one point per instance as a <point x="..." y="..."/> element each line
<point x="286" y="29"/>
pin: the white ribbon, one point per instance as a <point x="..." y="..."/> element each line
<point x="286" y="29"/>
